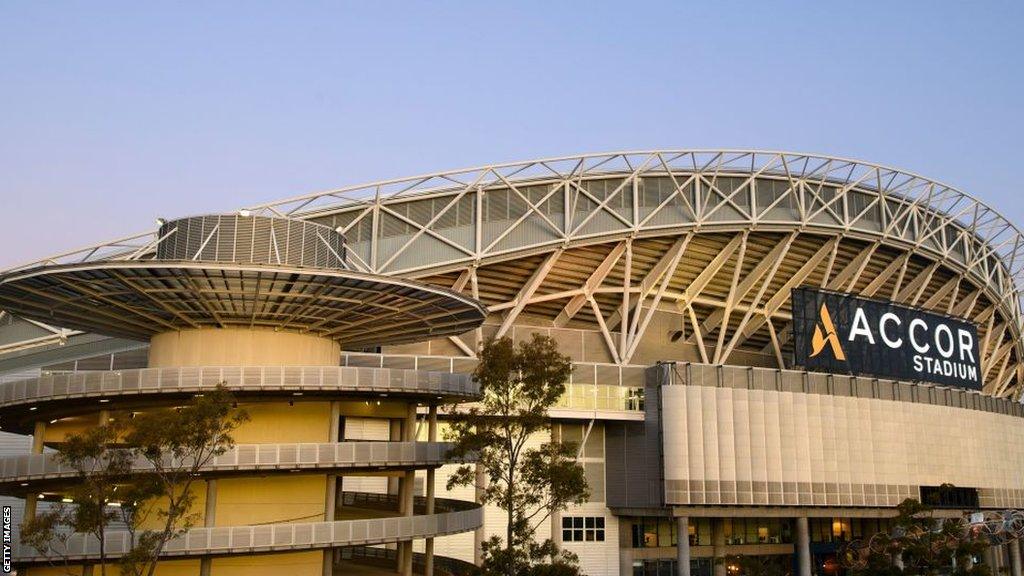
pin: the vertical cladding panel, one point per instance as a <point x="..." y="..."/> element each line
<point x="615" y="463"/>
<point x="827" y="450"/>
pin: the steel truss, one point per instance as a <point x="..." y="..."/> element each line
<point x="778" y="219"/>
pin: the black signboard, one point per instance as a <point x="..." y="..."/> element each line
<point x="844" y="334"/>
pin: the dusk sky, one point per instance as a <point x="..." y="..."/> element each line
<point x="117" y="113"/>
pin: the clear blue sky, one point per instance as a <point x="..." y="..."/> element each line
<point x="115" y="113"/>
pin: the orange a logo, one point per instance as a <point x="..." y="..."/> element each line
<point x="819" y="340"/>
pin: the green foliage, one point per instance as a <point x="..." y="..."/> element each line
<point x="156" y="506"/>
<point x="519" y="383"/>
<point x="921" y="545"/>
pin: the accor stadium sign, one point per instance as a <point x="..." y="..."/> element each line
<point x="841" y="333"/>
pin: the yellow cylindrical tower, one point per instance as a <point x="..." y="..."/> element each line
<point x="264" y="306"/>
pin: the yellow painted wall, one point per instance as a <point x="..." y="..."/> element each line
<point x="377" y="408"/>
<point x="57" y="431"/>
<point x="166" y="568"/>
<point x="277" y="422"/>
<point x="241" y="347"/>
<point x="152" y="519"/>
<point x="292" y="564"/>
<point x="271" y="499"/>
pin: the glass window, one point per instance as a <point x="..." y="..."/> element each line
<point x="584" y="529"/>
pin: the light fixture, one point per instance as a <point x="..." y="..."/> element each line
<point x="160" y="221"/>
<point x="244" y="213"/>
<point x="104" y="400"/>
<point x="296" y="393"/>
<point x="33" y="408"/>
<point x="67" y="500"/>
<point x="24" y="483"/>
<point x="54" y="421"/>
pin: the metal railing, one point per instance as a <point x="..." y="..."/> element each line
<point x="455" y="516"/>
<point x="61" y="386"/>
<point x="591" y="385"/>
<point x="304" y="456"/>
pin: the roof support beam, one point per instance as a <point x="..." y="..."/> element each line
<point x="526" y="292"/>
<point x="664" y="269"/>
<point x="749" y="326"/>
<point x="596" y="278"/>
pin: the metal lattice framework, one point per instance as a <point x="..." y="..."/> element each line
<point x="996" y="526"/>
<point x="606" y="241"/>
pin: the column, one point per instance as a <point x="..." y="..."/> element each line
<point x="331" y="498"/>
<point x="803" y="547"/>
<point x="718" y="541"/>
<point x="431" y="437"/>
<point x="407" y="491"/>
<point x="395" y="435"/>
<point x="1013" y="550"/>
<point x="478" y="534"/>
<point x="330" y="503"/>
<point x="37" y="448"/>
<point x="209" y="521"/>
<point x="682" y="546"/>
<point x="625" y="546"/>
<point x="990" y="558"/>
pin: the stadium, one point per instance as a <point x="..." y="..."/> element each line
<point x="771" y="351"/>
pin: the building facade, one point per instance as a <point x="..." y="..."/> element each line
<point x="669" y="277"/>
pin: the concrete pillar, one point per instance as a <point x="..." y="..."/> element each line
<point x="32" y="499"/>
<point x="431" y="437"/>
<point x="1013" y="550"/>
<point x="625" y="546"/>
<point x="991" y="558"/>
<point x="682" y="546"/>
<point x="37" y="437"/>
<point x="407" y="491"/>
<point x="210" y="513"/>
<point x="395" y="435"/>
<point x="30" y="506"/>
<point x="330" y="503"/>
<point x="334" y="432"/>
<point x="209" y="521"/>
<point x="803" y="547"/>
<point x="718" y="543"/>
<point x="478" y="534"/>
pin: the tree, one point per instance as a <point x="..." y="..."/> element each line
<point x="519" y="383"/>
<point x="141" y="471"/>
<point x="919" y="544"/>
<point x="97" y="468"/>
<point x="177" y="444"/>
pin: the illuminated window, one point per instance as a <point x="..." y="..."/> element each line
<point x="583" y="529"/>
